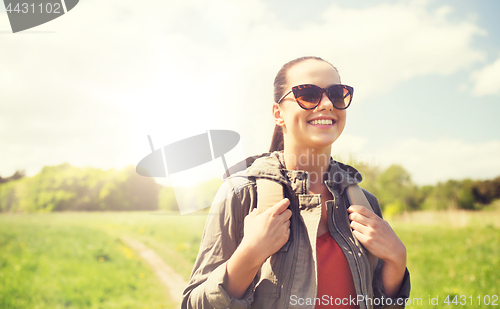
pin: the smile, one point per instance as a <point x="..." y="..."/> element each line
<point x="324" y="122"/>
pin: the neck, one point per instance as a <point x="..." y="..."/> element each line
<point x="315" y="161"/>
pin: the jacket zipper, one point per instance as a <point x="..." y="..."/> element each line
<point x="335" y="204"/>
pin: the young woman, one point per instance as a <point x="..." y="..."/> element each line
<point x="301" y="252"/>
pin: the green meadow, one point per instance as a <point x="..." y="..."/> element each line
<point x="454" y="255"/>
<point x="77" y="260"/>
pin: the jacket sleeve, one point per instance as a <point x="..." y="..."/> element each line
<point x="378" y="287"/>
<point x="221" y="236"/>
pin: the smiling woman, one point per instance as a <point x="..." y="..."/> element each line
<point x="313" y="248"/>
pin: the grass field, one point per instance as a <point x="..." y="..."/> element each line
<point x="76" y="260"/>
<point x="454" y="261"/>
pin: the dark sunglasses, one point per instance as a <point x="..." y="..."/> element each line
<point x="309" y="96"/>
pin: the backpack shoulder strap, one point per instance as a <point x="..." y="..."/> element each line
<point x="269" y="193"/>
<point x="357" y="197"/>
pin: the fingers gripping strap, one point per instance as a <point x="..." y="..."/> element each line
<point x="269" y="193"/>
<point x="357" y="197"/>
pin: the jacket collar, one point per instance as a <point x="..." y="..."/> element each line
<point x="271" y="166"/>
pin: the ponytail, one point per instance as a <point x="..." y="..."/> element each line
<point x="277" y="141"/>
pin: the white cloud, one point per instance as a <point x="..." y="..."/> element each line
<point x="113" y="72"/>
<point x="382" y="46"/>
<point x="440" y="160"/>
<point x="486" y="80"/>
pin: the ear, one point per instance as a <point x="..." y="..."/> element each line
<point x="278" y="115"/>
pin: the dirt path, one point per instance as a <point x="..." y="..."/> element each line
<point x="170" y="279"/>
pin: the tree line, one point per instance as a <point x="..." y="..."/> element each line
<point x="64" y="187"/>
<point x="397" y="192"/>
<point x="68" y="188"/>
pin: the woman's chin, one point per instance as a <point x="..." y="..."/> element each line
<point x="325" y="139"/>
<point x="322" y="142"/>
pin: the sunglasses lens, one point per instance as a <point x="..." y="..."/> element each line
<point x="307" y="97"/>
<point x="340" y="96"/>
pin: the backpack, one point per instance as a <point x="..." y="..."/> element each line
<point x="270" y="192"/>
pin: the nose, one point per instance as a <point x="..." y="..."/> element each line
<point x="325" y="103"/>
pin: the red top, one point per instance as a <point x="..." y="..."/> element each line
<point x="335" y="284"/>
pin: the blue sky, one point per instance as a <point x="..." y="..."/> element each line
<point x="89" y="86"/>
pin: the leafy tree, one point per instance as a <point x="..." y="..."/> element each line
<point x="452" y="194"/>
<point x="15" y="176"/>
<point x="370" y="175"/>
<point x="396" y="190"/>
<point x="486" y="191"/>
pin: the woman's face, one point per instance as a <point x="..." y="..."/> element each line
<point x="299" y="125"/>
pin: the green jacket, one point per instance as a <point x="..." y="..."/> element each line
<point x="288" y="278"/>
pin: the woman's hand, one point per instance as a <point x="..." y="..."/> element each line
<point x="266" y="233"/>
<point x="377" y="236"/>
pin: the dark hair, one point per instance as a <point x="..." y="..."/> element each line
<point x="280" y="83"/>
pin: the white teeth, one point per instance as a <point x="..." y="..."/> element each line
<point x="322" y="121"/>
